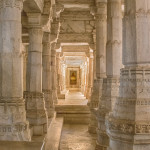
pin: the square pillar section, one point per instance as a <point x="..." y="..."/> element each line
<point x="13" y="123"/>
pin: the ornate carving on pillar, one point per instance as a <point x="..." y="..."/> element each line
<point x="55" y="28"/>
<point x="13" y="123"/>
<point x="11" y="3"/>
<point x="47" y="82"/>
<point x="57" y="9"/>
<point x="34" y="93"/>
<point x="35" y="109"/>
<point x="101" y="34"/>
<point x="128" y="124"/>
<point x="111" y="84"/>
<point x="54" y="73"/>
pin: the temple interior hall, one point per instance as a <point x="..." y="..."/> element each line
<point x="74" y="74"/>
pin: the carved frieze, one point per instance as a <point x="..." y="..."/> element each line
<point x="11" y="3"/>
<point x="128" y="127"/>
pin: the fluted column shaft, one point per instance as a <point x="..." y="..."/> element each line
<point x="128" y="125"/>
<point x="47" y="83"/>
<point x="113" y="63"/>
<point x="13" y="123"/>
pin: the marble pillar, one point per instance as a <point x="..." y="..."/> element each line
<point x="87" y="78"/>
<point x="54" y="73"/>
<point x="90" y="78"/>
<point x="58" y="69"/>
<point x="101" y="34"/>
<point x="35" y="103"/>
<point x="129" y="123"/>
<point x="25" y="58"/>
<point x="110" y="89"/>
<point x="46" y="81"/>
<point x="13" y="123"/>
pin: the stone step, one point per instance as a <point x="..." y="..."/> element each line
<point x="73" y="113"/>
<point x="52" y="140"/>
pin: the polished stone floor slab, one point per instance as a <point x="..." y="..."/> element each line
<point x="77" y="137"/>
<point x="73" y="98"/>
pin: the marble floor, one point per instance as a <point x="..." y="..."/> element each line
<point x="77" y="137"/>
<point x="73" y="98"/>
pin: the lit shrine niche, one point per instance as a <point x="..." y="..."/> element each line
<point x="73" y="77"/>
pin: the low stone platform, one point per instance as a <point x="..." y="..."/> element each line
<point x="52" y="140"/>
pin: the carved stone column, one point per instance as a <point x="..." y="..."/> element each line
<point x="54" y="73"/>
<point x="113" y="65"/>
<point x="55" y="29"/>
<point x="128" y="126"/>
<point x="25" y="58"/>
<point x="47" y="83"/>
<point x="101" y="34"/>
<point x="36" y="112"/>
<point x="13" y="123"/>
<point x="90" y="78"/>
<point x="86" y="77"/>
<point x="58" y="73"/>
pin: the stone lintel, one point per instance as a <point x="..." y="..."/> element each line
<point x="75" y="38"/>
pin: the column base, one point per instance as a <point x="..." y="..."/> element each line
<point x="13" y="123"/>
<point x="95" y="97"/>
<point x="36" y="112"/>
<point x="100" y="147"/>
<point x="93" y="123"/>
<point x="128" y="126"/>
<point x="39" y="130"/>
<point x="102" y="137"/>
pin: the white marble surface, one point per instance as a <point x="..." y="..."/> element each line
<point x="76" y="137"/>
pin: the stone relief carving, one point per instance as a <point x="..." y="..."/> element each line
<point x="11" y="3"/>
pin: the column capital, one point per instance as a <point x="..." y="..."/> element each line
<point x="55" y="29"/>
<point x="36" y="20"/>
<point x="101" y="14"/>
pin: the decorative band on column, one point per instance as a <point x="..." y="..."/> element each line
<point x="13" y="119"/>
<point x="35" y="106"/>
<point x="49" y="104"/>
<point x="11" y="3"/>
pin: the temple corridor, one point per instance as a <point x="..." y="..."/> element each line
<point x="74" y="74"/>
<point x="75" y="135"/>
